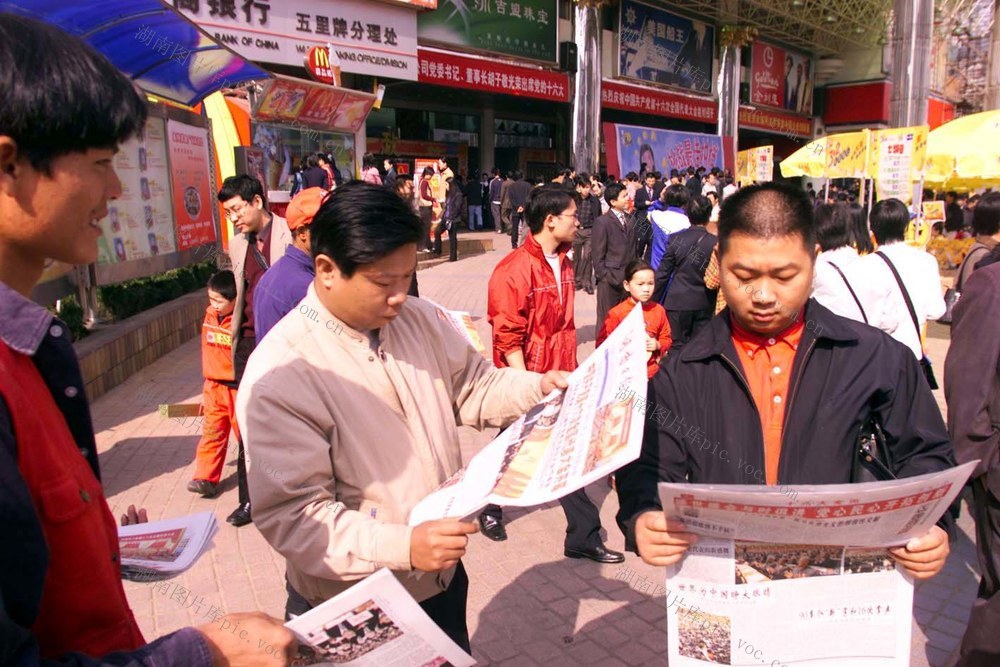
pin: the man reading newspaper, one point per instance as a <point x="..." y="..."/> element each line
<point x="776" y="388"/>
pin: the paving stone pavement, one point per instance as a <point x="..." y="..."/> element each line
<point x="528" y="605"/>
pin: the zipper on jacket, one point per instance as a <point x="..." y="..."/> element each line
<point x="791" y="399"/>
<point x="746" y="387"/>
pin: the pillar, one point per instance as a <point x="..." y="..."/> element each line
<point x="487" y="141"/>
<point x="585" y="131"/>
<point x="732" y="38"/>
<point x="911" y="62"/>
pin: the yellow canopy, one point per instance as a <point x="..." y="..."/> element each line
<point x="810" y="160"/>
<point x="965" y="152"/>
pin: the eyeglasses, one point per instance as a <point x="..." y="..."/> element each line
<point x="568" y="215"/>
<point x="235" y="213"/>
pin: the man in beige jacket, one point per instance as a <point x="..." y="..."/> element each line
<point x="350" y="407"/>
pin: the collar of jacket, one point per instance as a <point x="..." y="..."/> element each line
<point x="821" y="324"/>
<point x="533" y="247"/>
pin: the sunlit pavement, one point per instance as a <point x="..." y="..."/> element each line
<point x="528" y="605"/>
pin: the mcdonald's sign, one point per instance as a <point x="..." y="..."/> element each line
<point x="320" y="68"/>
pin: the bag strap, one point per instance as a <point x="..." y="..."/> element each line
<point x="961" y="267"/>
<point x="906" y="295"/>
<point x="851" y="290"/>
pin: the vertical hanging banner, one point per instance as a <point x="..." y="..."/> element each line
<point x="628" y="146"/>
<point x="897" y="161"/>
<point x="657" y="46"/>
<point x="194" y="201"/>
<point x="755" y="165"/>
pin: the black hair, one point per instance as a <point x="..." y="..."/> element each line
<point x="635" y="266"/>
<point x="674" y="173"/>
<point x="242" y="185"/>
<point x="889" y="219"/>
<point x="676" y="195"/>
<point x="516" y="175"/>
<point x="612" y="191"/>
<point x="986" y="217"/>
<point x="391" y="160"/>
<point x="312" y="161"/>
<point x="428" y="171"/>
<point x="565" y="173"/>
<point x="832" y="226"/>
<point x="60" y="95"/>
<point x="631" y="176"/>
<point x="766" y="211"/>
<point x="361" y="223"/>
<point x="401" y="185"/>
<point x="861" y="236"/>
<point x="582" y="180"/>
<point x="368" y="161"/>
<point x="649" y="174"/>
<point x="544" y="201"/>
<point x="223" y="282"/>
<point x="698" y="210"/>
<point x="496" y="172"/>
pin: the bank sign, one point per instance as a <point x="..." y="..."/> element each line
<point x="371" y="38"/>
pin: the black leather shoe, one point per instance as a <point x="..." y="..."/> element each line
<point x="599" y="554"/>
<point x="492" y="528"/>
<point x="203" y="488"/>
<point x="240" y="516"/>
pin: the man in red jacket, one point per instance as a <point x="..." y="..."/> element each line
<point x="531" y="311"/>
<point x="66" y="110"/>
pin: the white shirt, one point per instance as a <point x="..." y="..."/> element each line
<point x="669" y="222"/>
<point x="919" y="271"/>
<point x="831" y="291"/>
<point x="709" y="187"/>
<point x="729" y="190"/>
<point x="553" y="261"/>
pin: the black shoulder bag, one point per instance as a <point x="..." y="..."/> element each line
<point x="925" y="363"/>
<point x="872" y="460"/>
<point x="851" y="290"/>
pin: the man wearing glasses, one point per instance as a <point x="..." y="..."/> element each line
<point x="260" y="239"/>
<point x="530" y="307"/>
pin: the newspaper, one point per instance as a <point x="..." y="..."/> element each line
<point x="799" y="575"/>
<point x="463" y="324"/>
<point x="377" y="623"/>
<point x="163" y="549"/>
<point x="569" y="440"/>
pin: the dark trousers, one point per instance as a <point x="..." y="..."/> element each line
<point x="244" y="346"/>
<point x="447" y="609"/>
<point x="515" y="223"/>
<point x="452" y="240"/>
<point x="583" y="520"/>
<point x="608" y="296"/>
<point x="684" y="324"/>
<point x="426" y="218"/>
<point x="583" y="262"/>
<point x="981" y="644"/>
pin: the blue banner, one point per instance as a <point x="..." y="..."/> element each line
<point x="660" y="47"/>
<point x="663" y="150"/>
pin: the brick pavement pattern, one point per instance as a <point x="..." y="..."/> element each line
<point x="528" y="605"/>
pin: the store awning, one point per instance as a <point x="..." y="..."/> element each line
<point x="158" y="48"/>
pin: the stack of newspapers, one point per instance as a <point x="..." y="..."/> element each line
<point x="163" y="549"/>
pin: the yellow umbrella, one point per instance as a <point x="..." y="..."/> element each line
<point x="810" y="160"/>
<point x="965" y="151"/>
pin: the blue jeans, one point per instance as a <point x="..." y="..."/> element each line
<point x="475" y="217"/>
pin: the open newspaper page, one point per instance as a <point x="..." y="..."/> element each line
<point x="570" y="439"/>
<point x="463" y="324"/>
<point x="375" y="622"/>
<point x="798" y="575"/>
<point x="163" y="549"/>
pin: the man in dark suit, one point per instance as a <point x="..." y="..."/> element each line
<point x="587" y="211"/>
<point x="647" y="194"/>
<point x="680" y="278"/>
<point x="611" y="250"/>
<point x="517" y="197"/>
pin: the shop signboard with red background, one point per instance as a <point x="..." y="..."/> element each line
<point x="780" y="79"/>
<point x="616" y="95"/>
<point x="448" y="69"/>
<point x="776" y="122"/>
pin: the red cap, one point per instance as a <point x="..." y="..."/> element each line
<point x="303" y="207"/>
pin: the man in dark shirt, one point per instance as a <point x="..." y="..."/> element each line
<point x="588" y="211"/>
<point x="261" y="240"/>
<point x="66" y="110"/>
<point x="517" y="198"/>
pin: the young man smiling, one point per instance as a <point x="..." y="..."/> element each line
<point x="791" y="385"/>
<point x="66" y="110"/>
<point x="350" y="415"/>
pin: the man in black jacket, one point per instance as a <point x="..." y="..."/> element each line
<point x="646" y="195"/>
<point x="611" y="246"/>
<point x="680" y="278"/>
<point x="588" y="210"/>
<point x="516" y="199"/>
<point x="719" y="411"/>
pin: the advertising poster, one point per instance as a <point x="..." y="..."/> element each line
<point x="847" y="155"/>
<point x="525" y="29"/>
<point x="194" y="201"/>
<point x="140" y="221"/>
<point x="780" y="79"/>
<point x="660" y="47"/>
<point x="897" y="160"/>
<point x="631" y="145"/>
<point x="763" y="163"/>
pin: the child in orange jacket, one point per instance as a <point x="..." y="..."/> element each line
<point x="219" y="393"/>
<point x="639" y="283"/>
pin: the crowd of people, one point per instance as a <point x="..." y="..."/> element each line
<point x="348" y="395"/>
<point x="792" y="562"/>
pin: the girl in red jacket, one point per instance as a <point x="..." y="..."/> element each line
<point x="639" y="284"/>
